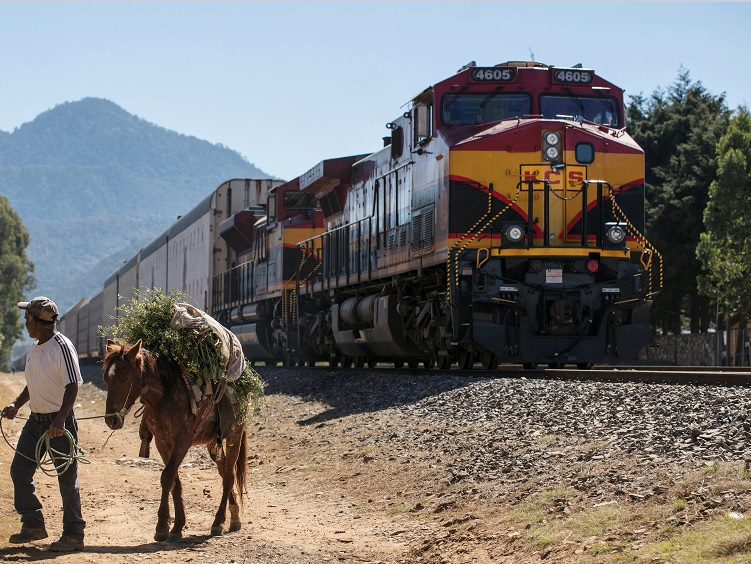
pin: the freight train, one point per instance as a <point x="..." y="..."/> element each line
<point x="502" y="221"/>
<point x="185" y="257"/>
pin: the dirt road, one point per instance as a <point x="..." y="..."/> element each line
<point x="284" y="519"/>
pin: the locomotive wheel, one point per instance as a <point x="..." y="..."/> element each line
<point x="529" y="365"/>
<point x="465" y="359"/>
<point x="311" y="363"/>
<point x="444" y="362"/>
<point x="429" y="362"/>
<point x="372" y="363"/>
<point x="413" y="364"/>
<point x="398" y="364"/>
<point x="360" y="362"/>
<point x="585" y="365"/>
<point x="556" y="365"/>
<point x="347" y="362"/>
<point x="333" y="362"/>
<point x="489" y="360"/>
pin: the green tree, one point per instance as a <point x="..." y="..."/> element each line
<point x="16" y="275"/>
<point x="679" y="130"/>
<point x="725" y="246"/>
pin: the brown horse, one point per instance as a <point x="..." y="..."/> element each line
<point x="131" y="373"/>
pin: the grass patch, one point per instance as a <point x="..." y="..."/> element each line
<point x="538" y="509"/>
<point x="558" y="522"/>
<point x="589" y="526"/>
<point x="679" y="504"/>
<point x="719" y="539"/>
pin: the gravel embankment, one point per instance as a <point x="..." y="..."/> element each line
<point x="513" y="435"/>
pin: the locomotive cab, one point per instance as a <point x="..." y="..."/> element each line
<point x="550" y="265"/>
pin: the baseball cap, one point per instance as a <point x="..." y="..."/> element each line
<point x="40" y="307"/>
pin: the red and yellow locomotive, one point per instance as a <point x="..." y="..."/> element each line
<point x="502" y="221"/>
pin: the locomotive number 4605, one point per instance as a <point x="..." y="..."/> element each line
<point x="493" y="74"/>
<point x="572" y="76"/>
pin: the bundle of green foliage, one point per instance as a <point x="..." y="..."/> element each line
<point x="197" y="350"/>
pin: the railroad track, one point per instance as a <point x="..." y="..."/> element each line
<point x="697" y="375"/>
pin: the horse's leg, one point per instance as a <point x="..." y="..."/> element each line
<point x="224" y="467"/>
<point x="176" y="534"/>
<point x="145" y="435"/>
<point x="241" y="472"/>
<point x="172" y="459"/>
<point x="227" y="470"/>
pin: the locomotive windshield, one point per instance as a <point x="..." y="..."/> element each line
<point x="471" y="108"/>
<point x="595" y="109"/>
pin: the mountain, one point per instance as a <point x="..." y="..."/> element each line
<point x="94" y="183"/>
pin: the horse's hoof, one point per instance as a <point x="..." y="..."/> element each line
<point x="175" y="537"/>
<point x="217" y="531"/>
<point x="161" y="536"/>
<point x="234" y="526"/>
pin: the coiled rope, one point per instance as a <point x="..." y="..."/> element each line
<point x="45" y="456"/>
<point x="50" y="460"/>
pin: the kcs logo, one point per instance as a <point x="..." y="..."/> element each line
<point x="569" y="177"/>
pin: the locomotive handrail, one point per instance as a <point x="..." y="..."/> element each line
<point x="331" y="246"/>
<point x="600" y="211"/>
<point x="496" y="216"/>
<point x="646" y="246"/>
<point x="334" y="230"/>
<point x="393" y="170"/>
<point x="451" y="250"/>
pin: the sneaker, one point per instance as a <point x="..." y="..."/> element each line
<point x="67" y="543"/>
<point x="28" y="535"/>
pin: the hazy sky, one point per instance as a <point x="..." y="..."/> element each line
<point x="288" y="84"/>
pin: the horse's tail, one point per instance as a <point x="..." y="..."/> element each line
<point x="241" y="466"/>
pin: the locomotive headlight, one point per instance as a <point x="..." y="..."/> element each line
<point x="552" y="145"/>
<point x="514" y="233"/>
<point x="615" y="235"/>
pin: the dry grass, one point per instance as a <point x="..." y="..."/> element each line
<point x="675" y="527"/>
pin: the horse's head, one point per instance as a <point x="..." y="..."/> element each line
<point x="123" y="374"/>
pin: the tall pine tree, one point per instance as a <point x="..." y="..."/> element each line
<point x="679" y="130"/>
<point x="725" y="246"/>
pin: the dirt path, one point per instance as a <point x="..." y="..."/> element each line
<point x="286" y="517"/>
<point x="412" y="468"/>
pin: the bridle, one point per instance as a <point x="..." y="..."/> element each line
<point x="120" y="415"/>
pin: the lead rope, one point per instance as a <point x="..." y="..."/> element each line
<point x="48" y="465"/>
<point x="45" y="455"/>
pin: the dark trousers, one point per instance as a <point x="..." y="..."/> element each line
<point x="22" y="471"/>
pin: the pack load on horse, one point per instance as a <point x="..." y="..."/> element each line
<point x="195" y="387"/>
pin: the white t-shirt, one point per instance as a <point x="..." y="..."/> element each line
<point x="49" y="368"/>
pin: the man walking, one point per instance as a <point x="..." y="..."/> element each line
<point x="52" y="380"/>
